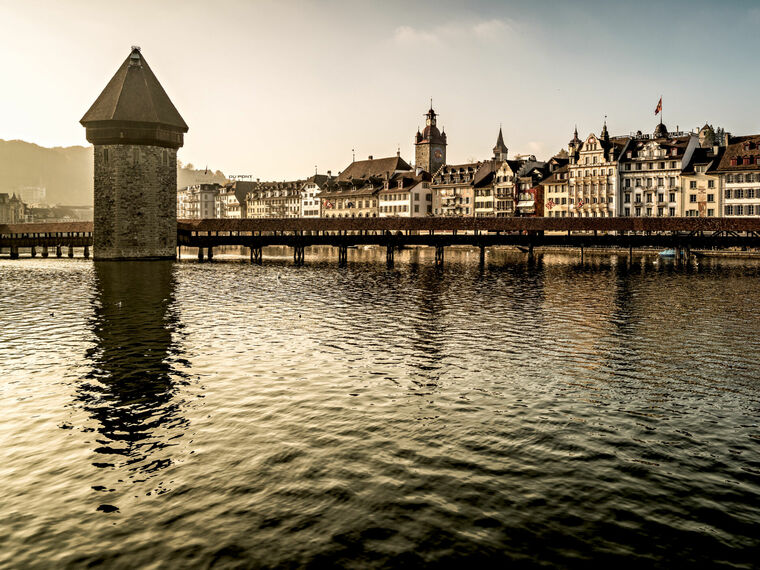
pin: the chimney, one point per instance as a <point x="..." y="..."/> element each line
<point x="329" y="173"/>
<point x="370" y="157"/>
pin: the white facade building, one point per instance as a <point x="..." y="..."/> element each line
<point x="197" y="202"/>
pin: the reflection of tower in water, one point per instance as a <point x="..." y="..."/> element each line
<point x="131" y="388"/>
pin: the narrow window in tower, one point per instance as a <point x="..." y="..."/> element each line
<point x="105" y="156"/>
<point x="135" y="156"/>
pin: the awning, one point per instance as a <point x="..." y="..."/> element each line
<point x="526" y="204"/>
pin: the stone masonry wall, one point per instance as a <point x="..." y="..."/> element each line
<point x="135" y="202"/>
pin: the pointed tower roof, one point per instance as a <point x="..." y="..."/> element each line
<point x="500" y="150"/>
<point x="135" y="104"/>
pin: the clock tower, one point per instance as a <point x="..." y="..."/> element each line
<point x="430" y="145"/>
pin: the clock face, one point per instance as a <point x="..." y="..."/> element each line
<point x="438" y="154"/>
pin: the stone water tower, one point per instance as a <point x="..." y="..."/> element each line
<point x="136" y="131"/>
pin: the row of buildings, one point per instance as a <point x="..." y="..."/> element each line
<point x="705" y="172"/>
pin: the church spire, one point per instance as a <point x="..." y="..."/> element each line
<point x="500" y="150"/>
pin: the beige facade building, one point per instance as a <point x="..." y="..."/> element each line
<point x="453" y="194"/>
<point x="593" y="174"/>
<point x="650" y="172"/>
<point x="701" y="184"/>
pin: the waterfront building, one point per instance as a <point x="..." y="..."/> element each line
<point x="311" y="203"/>
<point x="406" y="195"/>
<point x="354" y="192"/>
<point x="505" y="187"/>
<point x="530" y="192"/>
<point x="593" y="174"/>
<point x="12" y="209"/>
<point x="700" y="194"/>
<point x="739" y="171"/>
<point x="197" y="202"/>
<point x="453" y="194"/>
<point x="136" y="131"/>
<point x="231" y="200"/>
<point x="650" y="172"/>
<point x="430" y="145"/>
<point x="274" y="199"/>
<point x="484" y="183"/>
<point x="556" y="194"/>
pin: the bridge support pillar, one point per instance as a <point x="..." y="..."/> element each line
<point x="256" y="255"/>
<point x="71" y="251"/>
<point x="342" y="256"/>
<point x="439" y="256"/>
<point x="58" y="251"/>
<point x="87" y="252"/>
<point x="389" y="255"/>
<point x="45" y="252"/>
<point x="482" y="255"/>
<point x="14" y="252"/>
<point x="581" y="253"/>
<point x="200" y="254"/>
<point x="210" y="253"/>
<point x="34" y="251"/>
<point x="298" y="254"/>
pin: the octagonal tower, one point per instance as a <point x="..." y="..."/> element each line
<point x="136" y="131"/>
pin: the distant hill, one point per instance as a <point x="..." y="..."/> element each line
<point x="66" y="172"/>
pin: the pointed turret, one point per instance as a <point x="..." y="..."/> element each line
<point x="500" y="150"/>
<point x="134" y="109"/>
<point x="605" y="136"/>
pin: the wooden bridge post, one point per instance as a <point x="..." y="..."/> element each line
<point x="71" y="251"/>
<point x="298" y="254"/>
<point x="200" y="254"/>
<point x="87" y="252"/>
<point x="389" y="255"/>
<point x="58" y="251"/>
<point x="210" y="253"/>
<point x="581" y="253"/>
<point x="439" y="255"/>
<point x="342" y="256"/>
<point x="45" y="251"/>
<point x="34" y="251"/>
<point x="482" y="255"/>
<point x="14" y="252"/>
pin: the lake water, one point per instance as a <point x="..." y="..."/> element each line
<point x="542" y="413"/>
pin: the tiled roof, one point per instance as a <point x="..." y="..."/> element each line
<point x="363" y="169"/>
<point x="747" y="148"/>
<point x="135" y="95"/>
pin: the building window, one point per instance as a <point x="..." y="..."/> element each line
<point x="711" y="197"/>
<point x="728" y="210"/>
<point x="671" y="211"/>
<point x="105" y="156"/>
<point x="693" y="198"/>
<point x="672" y="197"/>
<point x="692" y="184"/>
<point x="728" y="193"/>
<point x="710" y="212"/>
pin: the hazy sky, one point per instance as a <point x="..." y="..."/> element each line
<point x="273" y="88"/>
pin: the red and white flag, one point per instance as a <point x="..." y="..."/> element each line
<point x="658" y="109"/>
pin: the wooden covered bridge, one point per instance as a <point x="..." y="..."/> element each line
<point x="438" y="232"/>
